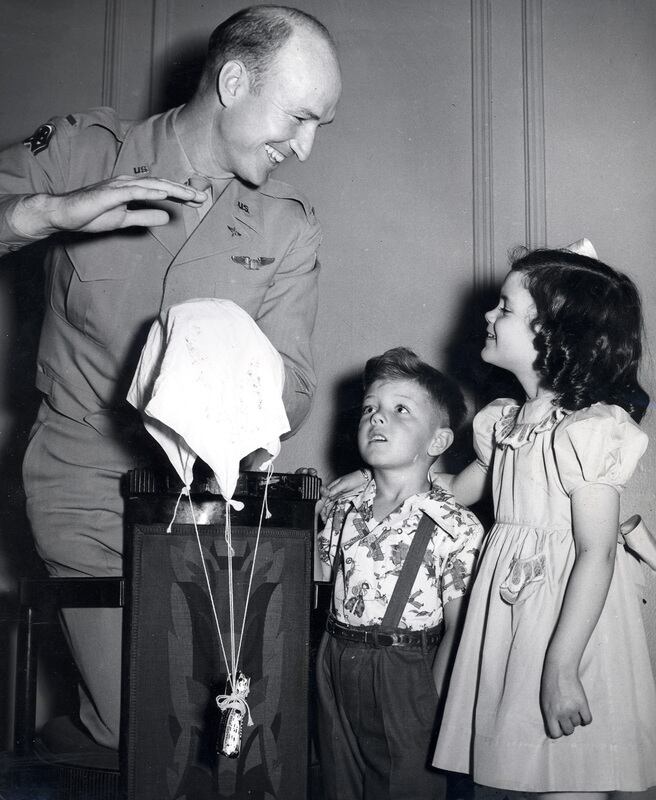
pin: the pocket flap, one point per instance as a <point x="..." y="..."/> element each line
<point x="108" y="256"/>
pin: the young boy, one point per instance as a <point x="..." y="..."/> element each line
<point x="383" y="662"/>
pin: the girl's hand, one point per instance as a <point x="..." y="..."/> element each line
<point x="563" y="701"/>
<point x="341" y="486"/>
<point x="595" y="522"/>
<point x="443" y="479"/>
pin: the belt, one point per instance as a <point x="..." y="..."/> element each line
<point x="430" y="637"/>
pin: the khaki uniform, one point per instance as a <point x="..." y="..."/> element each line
<point x="256" y="247"/>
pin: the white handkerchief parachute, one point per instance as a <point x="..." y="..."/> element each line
<point x="209" y="384"/>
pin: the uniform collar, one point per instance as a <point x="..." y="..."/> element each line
<point x="152" y="149"/>
<point x="246" y="206"/>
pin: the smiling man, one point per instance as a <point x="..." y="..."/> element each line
<point x="192" y="187"/>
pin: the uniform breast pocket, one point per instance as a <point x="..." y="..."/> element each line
<point x="250" y="269"/>
<point x="220" y="276"/>
<point x="91" y="283"/>
<point x="247" y="286"/>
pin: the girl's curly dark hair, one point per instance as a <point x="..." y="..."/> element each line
<point x="588" y="330"/>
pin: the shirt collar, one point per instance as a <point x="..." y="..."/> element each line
<point x="439" y="504"/>
<point x="431" y="503"/>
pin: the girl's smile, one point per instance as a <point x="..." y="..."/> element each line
<point x="510" y="336"/>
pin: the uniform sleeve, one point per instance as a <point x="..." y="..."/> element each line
<point x="600" y="444"/>
<point x="288" y="314"/>
<point x="26" y="170"/>
<point x="483" y="427"/>
<point x="44" y="163"/>
<point x="460" y="564"/>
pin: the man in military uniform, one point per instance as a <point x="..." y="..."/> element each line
<point x="143" y="216"/>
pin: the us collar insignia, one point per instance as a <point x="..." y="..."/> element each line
<point x="40" y="139"/>
<point x="252" y="263"/>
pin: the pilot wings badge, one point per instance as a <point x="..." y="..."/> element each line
<point x="249" y="262"/>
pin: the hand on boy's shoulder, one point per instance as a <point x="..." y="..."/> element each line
<point x="443" y="479"/>
<point x="335" y="509"/>
<point x="344" y="488"/>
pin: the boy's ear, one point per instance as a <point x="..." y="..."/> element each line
<point x="441" y="441"/>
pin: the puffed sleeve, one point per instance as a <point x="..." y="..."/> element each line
<point x="600" y="444"/>
<point x="483" y="427"/>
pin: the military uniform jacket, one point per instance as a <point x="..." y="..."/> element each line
<point x="256" y="247"/>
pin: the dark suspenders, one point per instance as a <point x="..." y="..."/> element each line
<point x="409" y="570"/>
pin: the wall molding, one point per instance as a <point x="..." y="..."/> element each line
<point x="482" y="174"/>
<point x="113" y="53"/>
<point x="159" y="47"/>
<point x="534" y="114"/>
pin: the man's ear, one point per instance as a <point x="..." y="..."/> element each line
<point x="441" y="441"/>
<point x="230" y="82"/>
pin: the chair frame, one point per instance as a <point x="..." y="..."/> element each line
<point x="39" y="600"/>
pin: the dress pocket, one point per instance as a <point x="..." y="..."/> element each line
<point x="524" y="577"/>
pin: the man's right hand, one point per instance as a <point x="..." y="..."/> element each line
<point x="100" y="207"/>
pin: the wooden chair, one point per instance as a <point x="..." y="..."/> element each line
<point x="78" y="775"/>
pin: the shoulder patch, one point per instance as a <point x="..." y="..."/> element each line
<point x="40" y="139"/>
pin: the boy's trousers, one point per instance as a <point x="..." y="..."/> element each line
<point x="377" y="710"/>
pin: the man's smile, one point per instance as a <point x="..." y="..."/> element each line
<point x="275" y="157"/>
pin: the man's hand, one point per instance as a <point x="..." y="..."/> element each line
<point x="100" y="207"/>
<point x="254" y="461"/>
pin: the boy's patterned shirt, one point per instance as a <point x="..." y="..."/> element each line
<point x="370" y="555"/>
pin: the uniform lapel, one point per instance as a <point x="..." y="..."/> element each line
<point x="233" y="223"/>
<point x="152" y="149"/>
<point x="226" y="226"/>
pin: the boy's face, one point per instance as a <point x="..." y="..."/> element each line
<point x="398" y="425"/>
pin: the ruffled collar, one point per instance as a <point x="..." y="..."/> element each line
<point x="511" y="430"/>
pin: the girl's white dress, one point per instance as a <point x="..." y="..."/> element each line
<point x="492" y="726"/>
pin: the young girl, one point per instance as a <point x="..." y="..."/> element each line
<point x="552" y="690"/>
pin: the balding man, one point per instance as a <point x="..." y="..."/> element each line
<point x="142" y="216"/>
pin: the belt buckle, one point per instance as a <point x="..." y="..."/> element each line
<point x="382" y="639"/>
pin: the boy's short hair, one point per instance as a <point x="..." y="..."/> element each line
<point x="401" y="363"/>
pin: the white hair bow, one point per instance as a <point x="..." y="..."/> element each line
<point x="583" y="247"/>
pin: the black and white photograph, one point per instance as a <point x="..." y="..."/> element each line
<point x="327" y="357"/>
